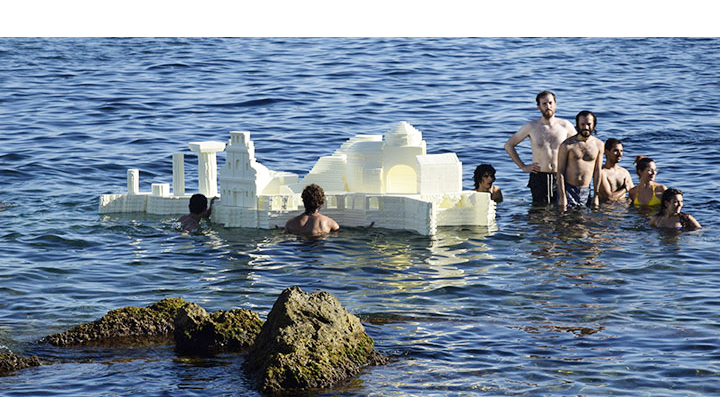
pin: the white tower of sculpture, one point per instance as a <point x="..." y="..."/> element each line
<point x="242" y="178"/>
<point x="207" y="165"/>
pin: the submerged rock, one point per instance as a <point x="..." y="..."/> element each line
<point x="128" y="325"/>
<point x="10" y="362"/>
<point x="197" y="332"/>
<point x="309" y="341"/>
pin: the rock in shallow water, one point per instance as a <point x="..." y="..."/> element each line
<point x="12" y="362"/>
<point x="309" y="341"/>
<point x="126" y="325"/>
<point x="197" y="332"/>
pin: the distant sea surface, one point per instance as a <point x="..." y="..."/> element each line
<point x="582" y="303"/>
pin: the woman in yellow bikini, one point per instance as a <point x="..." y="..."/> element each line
<point x="647" y="192"/>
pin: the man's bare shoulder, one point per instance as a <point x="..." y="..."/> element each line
<point x="563" y="126"/>
<point x="565" y="123"/>
<point x="526" y="130"/>
<point x="570" y="141"/>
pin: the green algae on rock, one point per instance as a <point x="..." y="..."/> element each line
<point x="200" y="333"/>
<point x="309" y="341"/>
<point x="128" y="325"/>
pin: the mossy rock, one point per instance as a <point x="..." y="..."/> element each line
<point x="200" y="333"/>
<point x="309" y="341"/>
<point x="10" y="362"/>
<point x="125" y="326"/>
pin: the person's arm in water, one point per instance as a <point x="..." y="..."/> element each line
<point x="562" y="164"/>
<point x="653" y="220"/>
<point x="208" y="211"/>
<point x="692" y="223"/>
<point x="628" y="184"/>
<point x="496" y="195"/>
<point x="596" y="174"/>
<point x="605" y="189"/>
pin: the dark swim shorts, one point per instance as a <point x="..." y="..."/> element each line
<point x="543" y="186"/>
<point x="577" y="196"/>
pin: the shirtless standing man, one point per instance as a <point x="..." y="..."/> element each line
<point x="312" y="223"/>
<point x="579" y="163"/>
<point x="615" y="181"/>
<point x="546" y="134"/>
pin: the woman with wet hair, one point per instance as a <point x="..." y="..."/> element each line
<point x="669" y="215"/>
<point x="647" y="192"/>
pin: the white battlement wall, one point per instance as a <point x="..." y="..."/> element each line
<point x="392" y="183"/>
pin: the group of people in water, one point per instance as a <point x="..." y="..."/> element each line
<point x="567" y="159"/>
<point x="566" y="162"/>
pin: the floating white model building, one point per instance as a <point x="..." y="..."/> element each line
<point x="392" y="182"/>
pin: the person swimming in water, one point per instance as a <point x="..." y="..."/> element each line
<point x="647" y="192"/>
<point x="312" y="223"/>
<point x="484" y="177"/>
<point x="669" y="215"/>
<point x="199" y="209"/>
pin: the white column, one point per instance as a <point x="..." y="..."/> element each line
<point x="178" y="174"/>
<point x="207" y="165"/>
<point x="133" y="181"/>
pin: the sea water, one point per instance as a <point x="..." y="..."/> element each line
<point x="543" y="303"/>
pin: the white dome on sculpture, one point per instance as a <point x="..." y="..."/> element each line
<point x="403" y="134"/>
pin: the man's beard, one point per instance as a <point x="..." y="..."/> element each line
<point x="548" y="113"/>
<point x="585" y="133"/>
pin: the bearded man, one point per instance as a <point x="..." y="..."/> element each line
<point x="546" y="134"/>
<point x="579" y="164"/>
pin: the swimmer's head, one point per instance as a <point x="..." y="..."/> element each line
<point x="481" y="172"/>
<point x="313" y="198"/>
<point x="198" y="203"/>
<point x="671" y="199"/>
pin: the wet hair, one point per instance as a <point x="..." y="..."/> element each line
<point x="666" y="196"/>
<point x="586" y="113"/>
<point x="611" y="143"/>
<point x="198" y="203"/>
<point x="313" y="197"/>
<point x="542" y="94"/>
<point x="641" y="163"/>
<point x="481" y="171"/>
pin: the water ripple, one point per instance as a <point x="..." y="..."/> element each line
<point x="594" y="303"/>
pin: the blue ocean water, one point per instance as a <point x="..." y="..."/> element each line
<point x="594" y="303"/>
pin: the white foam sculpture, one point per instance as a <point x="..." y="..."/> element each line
<point x="392" y="182"/>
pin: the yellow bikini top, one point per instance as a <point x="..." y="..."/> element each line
<point x="654" y="200"/>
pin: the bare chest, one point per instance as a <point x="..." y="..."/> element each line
<point x="583" y="151"/>
<point x="548" y="136"/>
